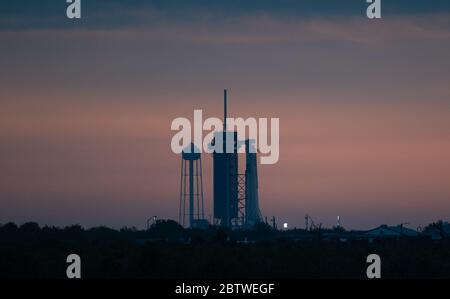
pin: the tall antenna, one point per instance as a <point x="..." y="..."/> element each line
<point x="224" y="110"/>
<point x="227" y="161"/>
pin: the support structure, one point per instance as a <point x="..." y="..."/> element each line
<point x="225" y="172"/>
<point x="236" y="201"/>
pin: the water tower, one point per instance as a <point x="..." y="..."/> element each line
<point x="191" y="189"/>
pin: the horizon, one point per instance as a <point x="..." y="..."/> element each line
<point x="280" y="228"/>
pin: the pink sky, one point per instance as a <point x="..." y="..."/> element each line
<point x="364" y="117"/>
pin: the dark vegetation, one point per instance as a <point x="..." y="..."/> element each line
<point x="167" y="250"/>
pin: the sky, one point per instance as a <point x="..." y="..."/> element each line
<point x="86" y="107"/>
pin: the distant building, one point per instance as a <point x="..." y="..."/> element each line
<point x="385" y="231"/>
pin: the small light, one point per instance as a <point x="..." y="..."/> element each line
<point x="285" y="225"/>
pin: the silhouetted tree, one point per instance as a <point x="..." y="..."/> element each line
<point x="30" y="227"/>
<point x="220" y="236"/>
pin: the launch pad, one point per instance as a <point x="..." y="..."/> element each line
<point x="235" y="195"/>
